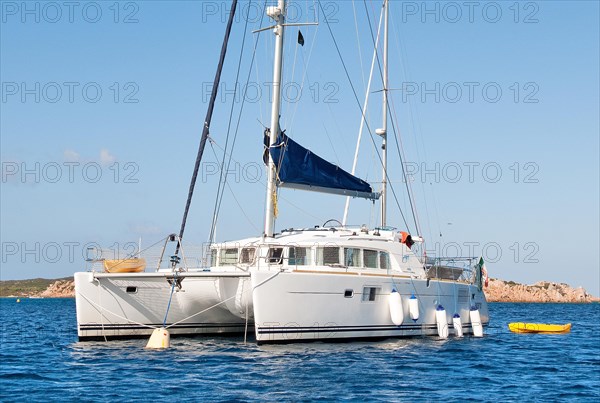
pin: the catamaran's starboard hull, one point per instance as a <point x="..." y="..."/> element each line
<point x="307" y="306"/>
<point x="131" y="305"/>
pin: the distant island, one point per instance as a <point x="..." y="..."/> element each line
<point x="38" y="287"/>
<point x="497" y="291"/>
<point x="542" y="291"/>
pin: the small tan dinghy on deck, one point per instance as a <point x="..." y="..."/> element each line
<point x="520" y="327"/>
<point x="133" y="265"/>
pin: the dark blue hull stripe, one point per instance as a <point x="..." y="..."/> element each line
<point x="336" y="329"/>
<point x="267" y="330"/>
<point x="117" y="326"/>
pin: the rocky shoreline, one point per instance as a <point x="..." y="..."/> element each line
<point x="540" y="292"/>
<point x="59" y="289"/>
<point x="497" y="291"/>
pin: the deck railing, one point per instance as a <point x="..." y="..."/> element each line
<point x="462" y="269"/>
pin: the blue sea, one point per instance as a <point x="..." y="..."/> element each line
<point x="41" y="360"/>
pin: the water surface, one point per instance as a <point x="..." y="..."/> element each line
<point x="41" y="359"/>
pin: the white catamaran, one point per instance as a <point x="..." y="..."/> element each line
<point x="320" y="283"/>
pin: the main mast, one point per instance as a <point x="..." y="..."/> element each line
<point x="383" y="131"/>
<point x="277" y="13"/>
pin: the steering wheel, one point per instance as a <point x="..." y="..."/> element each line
<point x="332" y="220"/>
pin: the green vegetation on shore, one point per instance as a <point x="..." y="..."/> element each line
<point x="23" y="288"/>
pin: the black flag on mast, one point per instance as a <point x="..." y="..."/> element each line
<point x="300" y="38"/>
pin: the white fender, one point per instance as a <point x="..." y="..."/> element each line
<point x="456" y="322"/>
<point x="442" y="322"/>
<point x="396" y="311"/>
<point x="476" y="322"/>
<point x="413" y="308"/>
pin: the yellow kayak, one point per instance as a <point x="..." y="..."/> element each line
<point x="134" y="265"/>
<point x="520" y="327"/>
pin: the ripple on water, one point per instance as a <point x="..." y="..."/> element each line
<point x="516" y="367"/>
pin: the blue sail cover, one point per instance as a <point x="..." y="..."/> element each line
<point x="299" y="168"/>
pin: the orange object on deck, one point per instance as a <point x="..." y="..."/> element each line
<point x="134" y="265"/>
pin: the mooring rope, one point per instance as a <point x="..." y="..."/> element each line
<point x="102" y="309"/>
<point x="114" y="314"/>
<point x="170" y="298"/>
<point x="222" y="302"/>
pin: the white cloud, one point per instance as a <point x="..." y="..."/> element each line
<point x="106" y="158"/>
<point x="71" y="156"/>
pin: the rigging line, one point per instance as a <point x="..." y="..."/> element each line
<point x="258" y="80"/>
<point x="285" y="199"/>
<point x="416" y="127"/>
<point x="305" y="73"/>
<point x="225" y="300"/>
<point x="170" y="298"/>
<point x="402" y="159"/>
<point x="290" y="39"/>
<point x="132" y="254"/>
<point x="207" y="121"/>
<point x="223" y="180"/>
<point x="455" y="299"/>
<point x="234" y="198"/>
<point x="337" y="132"/>
<point x="237" y="127"/>
<point x="337" y="159"/>
<point x="362" y="69"/>
<point x="242" y="209"/>
<point x="212" y="144"/>
<point x="362" y="121"/>
<point x="102" y="309"/>
<point x="360" y="107"/>
<point x="257" y="66"/>
<point x="101" y="314"/>
<point x="393" y="129"/>
<point x="412" y="109"/>
<point x="395" y="138"/>
<point x="411" y="194"/>
<point x="280" y="198"/>
<point x="436" y="210"/>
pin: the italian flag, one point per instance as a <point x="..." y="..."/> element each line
<point x="484" y="275"/>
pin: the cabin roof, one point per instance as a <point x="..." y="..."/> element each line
<point x="310" y="236"/>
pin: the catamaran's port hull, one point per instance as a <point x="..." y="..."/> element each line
<point x="131" y="305"/>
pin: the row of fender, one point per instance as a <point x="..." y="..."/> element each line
<point x="397" y="316"/>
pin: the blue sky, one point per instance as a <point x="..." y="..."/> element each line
<point x="497" y="108"/>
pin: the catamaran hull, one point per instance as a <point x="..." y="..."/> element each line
<point x="132" y="305"/>
<point x="280" y="306"/>
<point x="305" y="306"/>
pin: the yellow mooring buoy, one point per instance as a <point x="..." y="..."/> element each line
<point x="18" y="300"/>
<point x="160" y="338"/>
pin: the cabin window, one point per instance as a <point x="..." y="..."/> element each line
<point x="370" y="294"/>
<point x="329" y="255"/>
<point x="299" y="256"/>
<point x="352" y="257"/>
<point x="370" y="257"/>
<point x="247" y="255"/>
<point x="275" y="255"/>
<point x="228" y="256"/>
<point x="213" y="257"/>
<point x="384" y="260"/>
